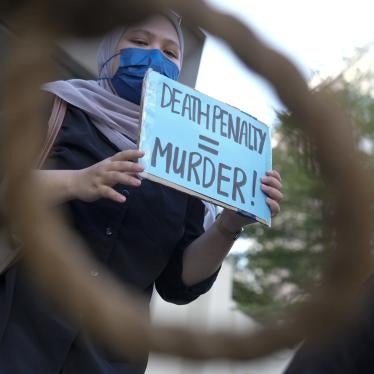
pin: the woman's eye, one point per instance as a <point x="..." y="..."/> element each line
<point x="139" y="42"/>
<point x="171" y="53"/>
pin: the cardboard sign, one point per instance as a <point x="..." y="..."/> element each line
<point x="204" y="147"/>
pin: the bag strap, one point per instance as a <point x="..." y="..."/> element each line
<point x="54" y="126"/>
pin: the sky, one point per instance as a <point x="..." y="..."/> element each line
<point x="316" y="36"/>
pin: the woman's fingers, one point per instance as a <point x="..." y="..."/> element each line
<point x="271" y="186"/>
<point x="109" y="193"/>
<point x="128" y="155"/>
<point x="274" y="206"/>
<point x="97" y="180"/>
<point x="114" y="177"/>
<point x="275" y="174"/>
<point x="118" y="169"/>
<point x="272" y="192"/>
<point x="272" y="182"/>
<point x="126" y="166"/>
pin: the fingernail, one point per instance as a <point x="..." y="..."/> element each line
<point x="138" y="182"/>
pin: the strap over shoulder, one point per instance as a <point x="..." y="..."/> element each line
<point x="54" y="126"/>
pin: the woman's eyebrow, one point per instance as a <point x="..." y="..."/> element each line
<point x="140" y="31"/>
<point x="152" y="35"/>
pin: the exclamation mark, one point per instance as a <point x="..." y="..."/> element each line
<point x="254" y="180"/>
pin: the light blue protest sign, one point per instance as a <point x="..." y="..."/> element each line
<point x="204" y="147"/>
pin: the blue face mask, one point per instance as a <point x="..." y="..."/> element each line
<point x="133" y="64"/>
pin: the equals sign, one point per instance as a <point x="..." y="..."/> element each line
<point x="208" y="148"/>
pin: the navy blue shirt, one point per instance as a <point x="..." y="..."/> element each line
<point x="141" y="241"/>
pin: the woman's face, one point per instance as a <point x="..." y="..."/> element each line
<point x="155" y="33"/>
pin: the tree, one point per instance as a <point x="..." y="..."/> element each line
<point x="288" y="257"/>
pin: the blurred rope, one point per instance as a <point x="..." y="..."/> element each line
<point x="59" y="260"/>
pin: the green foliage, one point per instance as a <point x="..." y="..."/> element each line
<point x="287" y="258"/>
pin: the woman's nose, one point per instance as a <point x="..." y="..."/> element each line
<point x="155" y="45"/>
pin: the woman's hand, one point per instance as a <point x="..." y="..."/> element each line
<point x="271" y="185"/>
<point x="96" y="181"/>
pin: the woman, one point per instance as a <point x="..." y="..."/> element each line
<point x="147" y="234"/>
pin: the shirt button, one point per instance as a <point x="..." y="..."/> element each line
<point x="125" y="192"/>
<point x="94" y="273"/>
<point x="108" y="231"/>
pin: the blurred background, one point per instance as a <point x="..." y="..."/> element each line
<point x="268" y="270"/>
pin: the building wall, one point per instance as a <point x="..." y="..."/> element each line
<point x="76" y="58"/>
<point x="212" y="311"/>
